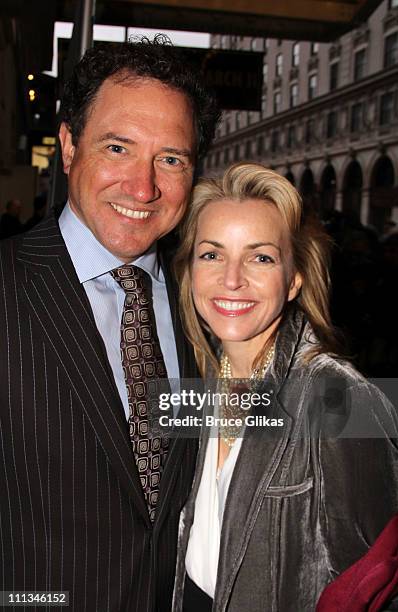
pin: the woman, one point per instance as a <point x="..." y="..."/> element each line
<point x="275" y="513"/>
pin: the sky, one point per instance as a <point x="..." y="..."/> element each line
<point x="116" y="33"/>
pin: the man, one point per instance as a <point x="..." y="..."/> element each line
<point x="10" y="224"/>
<point x="39" y="211"/>
<point x="77" y="512"/>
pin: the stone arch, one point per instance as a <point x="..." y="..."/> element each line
<point x="307" y="190"/>
<point x="381" y="193"/>
<point x="290" y="177"/>
<point x="352" y="189"/>
<point x="327" y="190"/>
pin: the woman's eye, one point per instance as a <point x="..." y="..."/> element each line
<point x="264" y="259"/>
<point x="208" y="256"/>
<point x="116" y="148"/>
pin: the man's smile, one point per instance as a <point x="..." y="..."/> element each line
<point x="132" y="214"/>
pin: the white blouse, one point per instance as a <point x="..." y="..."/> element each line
<point x="203" y="550"/>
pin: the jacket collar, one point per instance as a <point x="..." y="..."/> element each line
<point x="58" y="304"/>
<point x="292" y="337"/>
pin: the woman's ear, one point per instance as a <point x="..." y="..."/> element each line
<point x="295" y="286"/>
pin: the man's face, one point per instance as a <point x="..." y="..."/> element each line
<point x="130" y="175"/>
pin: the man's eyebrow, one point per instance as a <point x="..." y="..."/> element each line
<point x="181" y="152"/>
<point x="113" y="136"/>
<point x="125" y="140"/>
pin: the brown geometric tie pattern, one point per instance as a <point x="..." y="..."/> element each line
<point x="143" y="364"/>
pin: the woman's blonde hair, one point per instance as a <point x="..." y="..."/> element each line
<point x="310" y="250"/>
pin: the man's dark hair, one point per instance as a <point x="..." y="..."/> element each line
<point x="143" y="58"/>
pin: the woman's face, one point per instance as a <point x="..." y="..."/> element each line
<point x="242" y="271"/>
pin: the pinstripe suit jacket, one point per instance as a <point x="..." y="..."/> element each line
<point x="73" y="516"/>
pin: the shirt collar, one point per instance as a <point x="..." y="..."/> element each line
<point x="90" y="258"/>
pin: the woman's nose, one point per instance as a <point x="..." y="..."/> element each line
<point x="233" y="276"/>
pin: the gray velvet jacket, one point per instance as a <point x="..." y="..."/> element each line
<point x="307" y="500"/>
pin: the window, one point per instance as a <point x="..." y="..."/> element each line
<point x="277" y="102"/>
<point x="274" y="141"/>
<point x="386" y="108"/>
<point x="309" y="131"/>
<point x="392" y="4"/>
<point x="248" y="149"/>
<point x="263" y="105"/>
<point x="296" y="54"/>
<point x="294" y="93"/>
<point x="359" y="64"/>
<point x="227" y="126"/>
<point x="334" y="76"/>
<point x="391" y="50"/>
<point x="236" y="153"/>
<point x="225" y="42"/>
<point x="356" y="117"/>
<point x="226" y="156"/>
<point x="312" y="85"/>
<point x="291" y="137"/>
<point x="260" y="145"/>
<point x="279" y="64"/>
<point x="314" y="48"/>
<point x="331" y="125"/>
<point x="217" y="159"/>
<point x="265" y="73"/>
<point x="256" y="44"/>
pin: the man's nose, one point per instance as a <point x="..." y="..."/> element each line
<point x="140" y="183"/>
<point x="233" y="276"/>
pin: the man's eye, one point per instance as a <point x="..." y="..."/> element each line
<point x="264" y="259"/>
<point x="172" y="161"/>
<point x="116" y="148"/>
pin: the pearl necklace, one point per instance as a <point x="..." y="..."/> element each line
<point x="257" y="374"/>
<point x="229" y="432"/>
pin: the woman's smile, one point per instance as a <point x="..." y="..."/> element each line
<point x="233" y="307"/>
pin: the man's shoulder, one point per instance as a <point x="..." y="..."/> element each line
<point x="26" y="246"/>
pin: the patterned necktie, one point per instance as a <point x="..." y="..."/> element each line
<point x="143" y="363"/>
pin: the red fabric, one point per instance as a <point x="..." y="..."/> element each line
<point x="371" y="582"/>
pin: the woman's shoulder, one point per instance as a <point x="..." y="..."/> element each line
<point x="350" y="398"/>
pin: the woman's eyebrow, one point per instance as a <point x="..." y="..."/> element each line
<point x="212" y="242"/>
<point x="256" y="245"/>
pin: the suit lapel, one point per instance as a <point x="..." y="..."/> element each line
<point x="53" y="294"/>
<point x="188" y="369"/>
<point x="186" y="359"/>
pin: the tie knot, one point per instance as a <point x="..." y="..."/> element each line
<point x="130" y="278"/>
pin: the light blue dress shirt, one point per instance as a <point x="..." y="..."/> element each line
<point x="93" y="263"/>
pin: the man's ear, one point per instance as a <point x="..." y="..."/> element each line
<point x="295" y="286"/>
<point x="67" y="148"/>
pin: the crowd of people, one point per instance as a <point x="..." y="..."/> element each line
<point x="364" y="299"/>
<point x="10" y="222"/>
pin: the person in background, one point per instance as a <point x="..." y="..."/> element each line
<point x="39" y="211"/>
<point x="10" y="224"/>
<point x="90" y="499"/>
<point x="292" y="492"/>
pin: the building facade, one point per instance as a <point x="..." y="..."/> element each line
<point x="329" y="118"/>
